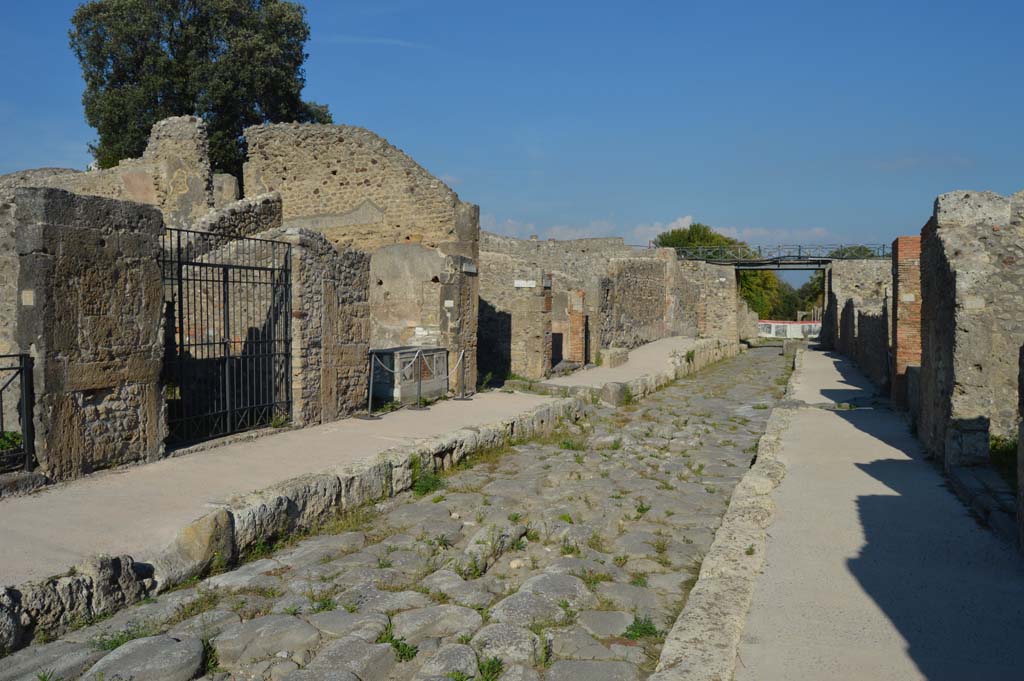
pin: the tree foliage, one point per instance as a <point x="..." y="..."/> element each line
<point x="764" y="292"/>
<point x="697" y="234"/>
<point x="235" y="63"/>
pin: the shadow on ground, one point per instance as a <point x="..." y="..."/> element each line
<point x="952" y="588"/>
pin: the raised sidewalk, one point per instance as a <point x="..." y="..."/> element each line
<point x="139" y="510"/>
<point x="875" y="570"/>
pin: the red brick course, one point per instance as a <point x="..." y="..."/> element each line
<point x="906" y="317"/>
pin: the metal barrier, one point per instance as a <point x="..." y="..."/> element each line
<point x="417" y="366"/>
<point x="17" y="446"/>
<point x="228" y="334"/>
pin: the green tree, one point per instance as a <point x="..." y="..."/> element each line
<point x="697" y="234"/>
<point x="235" y="63"/>
<point x="762" y="290"/>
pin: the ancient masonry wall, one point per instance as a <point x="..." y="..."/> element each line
<point x="90" y="311"/>
<point x="972" y="282"/>
<point x="856" y="319"/>
<point x="243" y="218"/>
<point x="905" y="338"/>
<point x="1020" y="451"/>
<point x="173" y="174"/>
<point x="225" y="189"/>
<point x="330" y="326"/>
<point x="706" y="302"/>
<point x="357" y="189"/>
<point x="575" y="265"/>
<point x="9" y="254"/>
<point x="746" y="320"/>
<point x="507" y="288"/>
<point x="606" y="293"/>
<point x="530" y="345"/>
<point x="421" y="297"/>
<point x="633" y="302"/>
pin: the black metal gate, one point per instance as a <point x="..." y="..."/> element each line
<point x="227" y="363"/>
<point x="17" y="439"/>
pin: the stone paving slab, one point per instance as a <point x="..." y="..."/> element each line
<point x="579" y="578"/>
<point x="138" y="510"/>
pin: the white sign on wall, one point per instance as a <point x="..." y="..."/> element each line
<point x="526" y="283"/>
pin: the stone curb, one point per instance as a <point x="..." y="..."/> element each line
<point x="103" y="585"/>
<point x="703" y="642"/>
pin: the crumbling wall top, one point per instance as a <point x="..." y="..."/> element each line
<point x="971" y="208"/>
<point x="356" y="188"/>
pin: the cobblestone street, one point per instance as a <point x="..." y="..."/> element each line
<point x="567" y="558"/>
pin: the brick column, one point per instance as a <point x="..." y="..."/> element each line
<point x="906" y="315"/>
<point x="577" y="334"/>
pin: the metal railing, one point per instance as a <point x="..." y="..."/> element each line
<point x="17" y="440"/>
<point x="417" y="368"/>
<point x="802" y="253"/>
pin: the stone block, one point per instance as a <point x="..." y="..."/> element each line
<point x="614" y="357"/>
<point x="616" y="394"/>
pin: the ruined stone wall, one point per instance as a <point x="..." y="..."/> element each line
<point x="1020" y="451"/>
<point x="173" y="174"/>
<point x="9" y="309"/>
<point x="746" y="320"/>
<point x="357" y="189"/>
<point x="574" y="265"/>
<point x="9" y="268"/>
<point x="330" y="327"/>
<point x="870" y="349"/>
<point x="857" y="290"/>
<point x="245" y="217"/>
<point x="502" y="282"/>
<point x="633" y="302"/>
<point x="577" y="267"/>
<point x="530" y="345"/>
<point x="707" y="301"/>
<point x="421" y="297"/>
<point x="905" y="337"/>
<point x="972" y="284"/>
<point x="225" y="189"/>
<point x="8" y="252"/>
<point x="90" y="312"/>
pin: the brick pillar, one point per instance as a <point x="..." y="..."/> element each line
<point x="906" y="315"/>
<point x="577" y="335"/>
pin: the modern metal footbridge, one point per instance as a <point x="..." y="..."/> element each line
<point x="815" y="257"/>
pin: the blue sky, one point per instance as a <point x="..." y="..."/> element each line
<point x="809" y="122"/>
